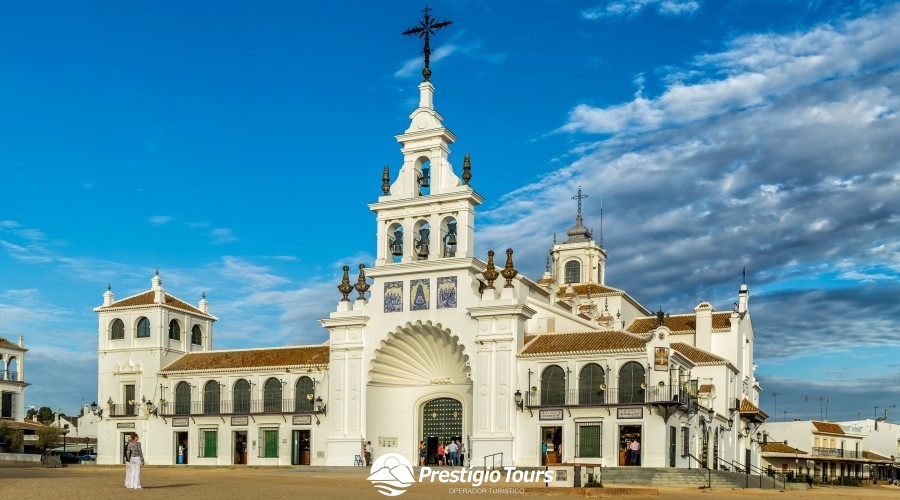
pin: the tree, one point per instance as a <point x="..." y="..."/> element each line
<point x="11" y="437"/>
<point x="46" y="416"/>
<point x="47" y="437"/>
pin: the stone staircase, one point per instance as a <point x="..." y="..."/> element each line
<point x="684" y="478"/>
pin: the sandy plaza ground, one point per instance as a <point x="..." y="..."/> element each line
<point x="107" y="482"/>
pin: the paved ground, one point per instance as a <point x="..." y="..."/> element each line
<point x="100" y="482"/>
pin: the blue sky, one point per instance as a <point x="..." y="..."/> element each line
<point x="235" y="146"/>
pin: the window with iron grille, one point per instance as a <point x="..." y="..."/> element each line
<point x="174" y="330"/>
<point x="211" y="398"/>
<point x="241" y="397"/>
<point x="685" y="441"/>
<point x="573" y="271"/>
<point x="591" y="385"/>
<point x="196" y="335"/>
<point x="268" y="442"/>
<point x="589" y="440"/>
<point x="183" y="398"/>
<point x="631" y="376"/>
<point x="304" y="394"/>
<point x="209" y="443"/>
<point x="143" y="328"/>
<point x="272" y="396"/>
<point x="117" y="330"/>
<point x="553" y="386"/>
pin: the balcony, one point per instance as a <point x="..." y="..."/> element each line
<point x="10" y="376"/>
<point x="835" y="452"/>
<point x="245" y="407"/>
<point x="123" y="410"/>
<point x="611" y="396"/>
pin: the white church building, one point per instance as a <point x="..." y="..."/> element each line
<point x="432" y="343"/>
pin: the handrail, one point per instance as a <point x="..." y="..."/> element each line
<point x="747" y="469"/>
<point x="492" y="455"/>
<point x="708" y="470"/>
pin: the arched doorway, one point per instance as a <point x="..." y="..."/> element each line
<point x="441" y="422"/>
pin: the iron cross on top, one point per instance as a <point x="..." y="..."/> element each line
<point x="426" y="28"/>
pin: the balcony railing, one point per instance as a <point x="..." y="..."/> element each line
<point x="123" y="410"/>
<point x="609" y="396"/>
<point x="245" y="407"/>
<point x="835" y="452"/>
<point x="9" y="375"/>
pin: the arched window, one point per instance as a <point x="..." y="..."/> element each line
<point x="211" y="398"/>
<point x="117" y="330"/>
<point x="631" y="376"/>
<point x="591" y="385"/>
<point x="553" y="386"/>
<point x="272" y="396"/>
<point x="12" y="370"/>
<point x="304" y="395"/>
<point x="174" y="330"/>
<point x="183" y="398"/>
<point x="242" y="397"/>
<point x="573" y="271"/>
<point x="143" y="328"/>
<point x="196" y="337"/>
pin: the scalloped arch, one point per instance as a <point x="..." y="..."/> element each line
<point x="420" y="354"/>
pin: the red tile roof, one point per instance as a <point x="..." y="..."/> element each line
<point x="583" y="343"/>
<point x="251" y="358"/>
<point x="698" y="356"/>
<point x="595" y="289"/>
<point x="829" y="427"/>
<point x="748" y="408"/>
<point x="780" y="448"/>
<point x="680" y="323"/>
<point x="148" y="298"/>
<point x="10" y="345"/>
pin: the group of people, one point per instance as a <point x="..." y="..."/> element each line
<point x="451" y="453"/>
<point x="134" y="459"/>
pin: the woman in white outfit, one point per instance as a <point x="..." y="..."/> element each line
<point x="134" y="459"/>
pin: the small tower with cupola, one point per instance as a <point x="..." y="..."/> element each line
<point x="579" y="259"/>
<point x="137" y="336"/>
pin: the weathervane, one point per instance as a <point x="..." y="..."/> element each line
<point x="579" y="197"/>
<point x="427" y="27"/>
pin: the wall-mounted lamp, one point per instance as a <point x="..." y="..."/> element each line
<point x="96" y="410"/>
<point x="518" y="399"/>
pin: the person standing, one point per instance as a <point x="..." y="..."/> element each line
<point x="367" y="451"/>
<point x="135" y="457"/>
<point x="441" y="454"/>
<point x="452" y="448"/>
<point x="462" y="453"/>
<point x="635" y="452"/>
<point x="543" y="452"/>
<point x="421" y="453"/>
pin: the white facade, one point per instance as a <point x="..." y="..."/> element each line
<point x="12" y="379"/>
<point x="432" y="344"/>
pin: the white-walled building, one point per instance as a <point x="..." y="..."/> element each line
<point x="436" y="344"/>
<point x="12" y="379"/>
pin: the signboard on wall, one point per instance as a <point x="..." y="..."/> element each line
<point x="550" y="414"/>
<point x="629" y="413"/>
<point x="240" y="420"/>
<point x="302" y="420"/>
<point x="125" y="425"/>
<point x="661" y="359"/>
<point x="181" y="421"/>
<point x="387" y="442"/>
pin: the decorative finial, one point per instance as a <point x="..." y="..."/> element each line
<point x="467" y="169"/>
<point x="362" y="286"/>
<point x="744" y="276"/>
<point x="203" y="295"/>
<point x="157" y="272"/>
<point x="554" y="238"/>
<point x="508" y="271"/>
<point x="490" y="273"/>
<point x="386" y="181"/>
<point x="579" y="197"/>
<point x="109" y="287"/>
<point x="547" y="265"/>
<point x="426" y="28"/>
<point x="606" y="304"/>
<point x="618" y="313"/>
<point x="345" y="287"/>
<point x="661" y="317"/>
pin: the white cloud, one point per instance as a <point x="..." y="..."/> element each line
<point x="628" y="8"/>
<point x="456" y="45"/>
<point x="159" y="220"/>
<point x="757" y="69"/>
<point x="222" y="235"/>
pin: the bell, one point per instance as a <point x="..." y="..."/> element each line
<point x="425" y="178"/>
<point x="451" y="234"/>
<point x="397" y="243"/>
<point x="423" y="242"/>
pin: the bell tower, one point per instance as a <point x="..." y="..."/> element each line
<point x="579" y="259"/>
<point x="427" y="212"/>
